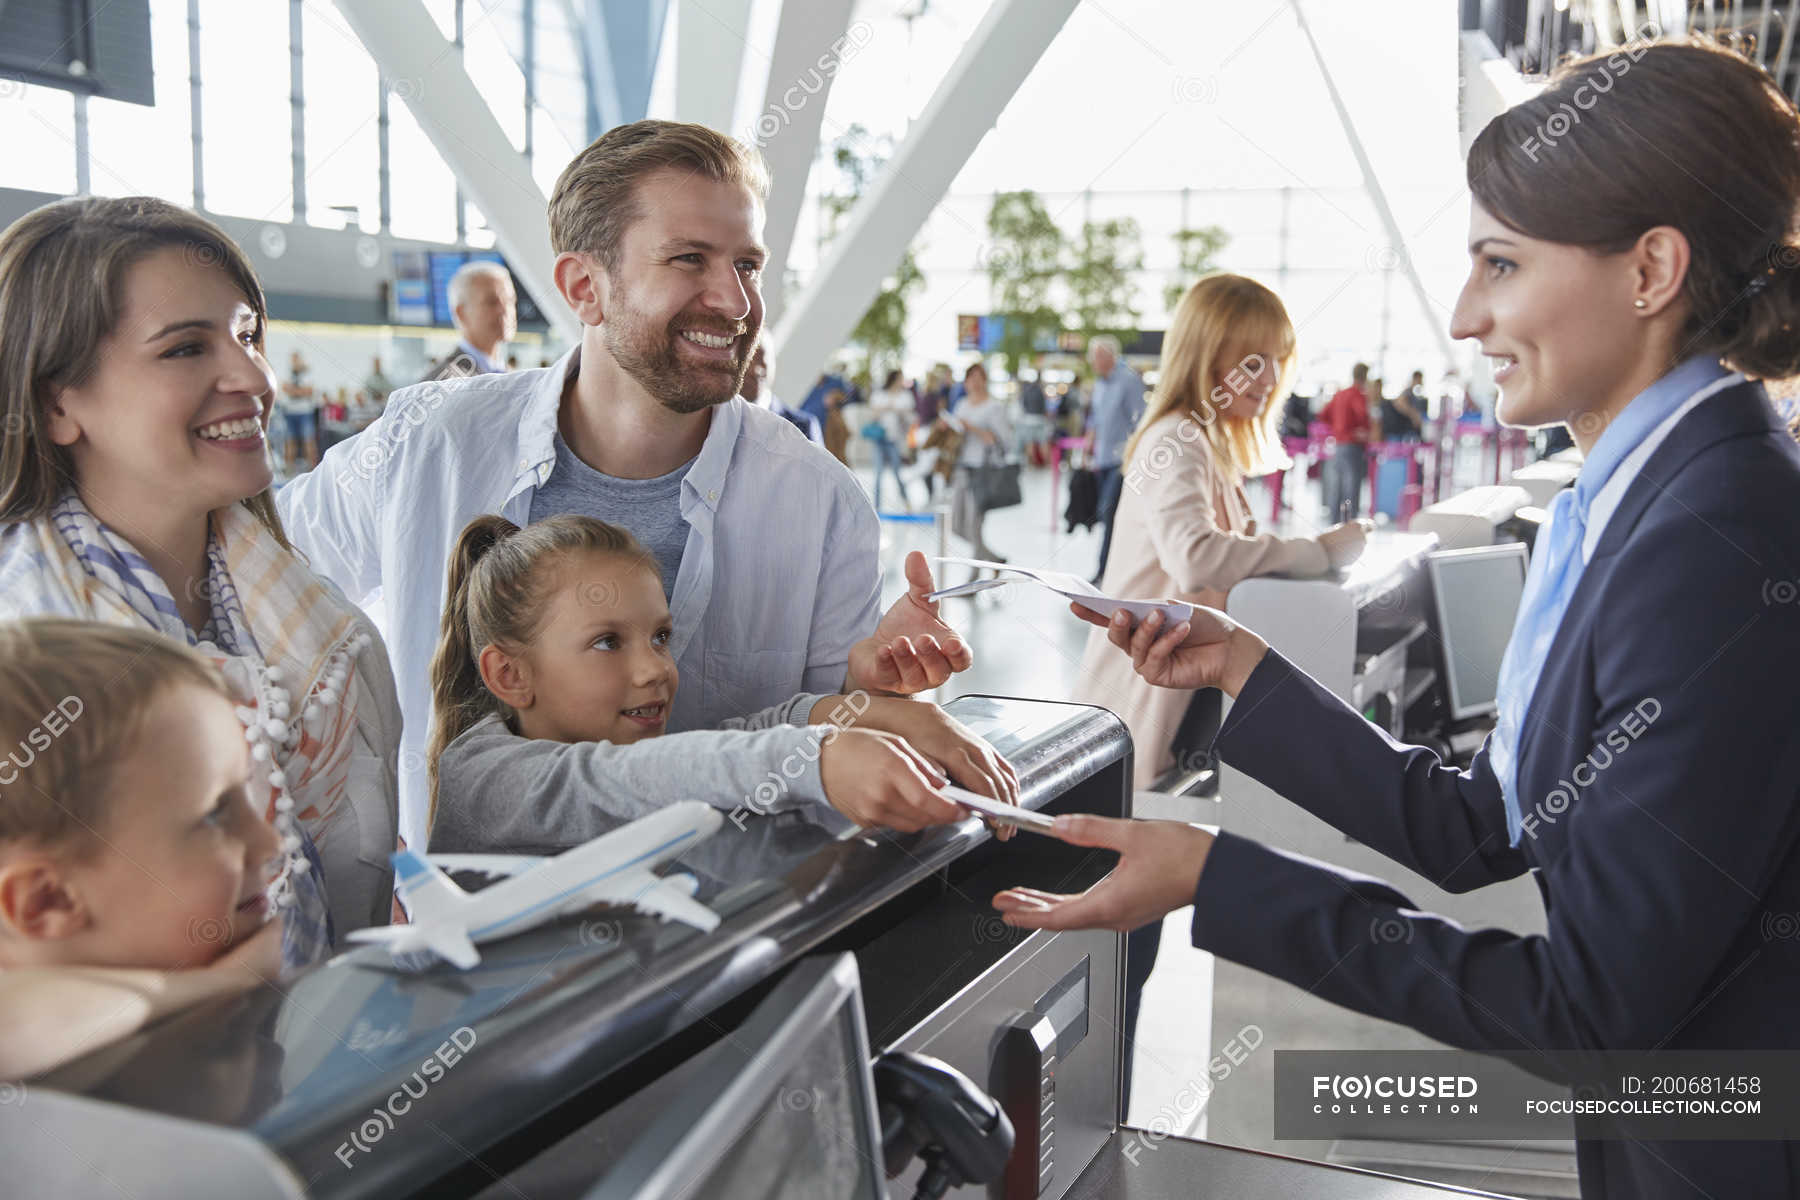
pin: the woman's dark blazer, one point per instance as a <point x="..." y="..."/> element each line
<point x="1659" y="770"/>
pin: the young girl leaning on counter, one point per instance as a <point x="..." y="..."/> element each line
<point x="552" y="686"/>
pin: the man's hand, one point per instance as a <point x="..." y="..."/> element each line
<point x="911" y="650"/>
<point x="1208" y="650"/>
<point x="1159" y="868"/>
<point x="948" y="743"/>
<point x="876" y="779"/>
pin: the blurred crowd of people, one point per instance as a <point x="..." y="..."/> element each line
<point x="952" y="434"/>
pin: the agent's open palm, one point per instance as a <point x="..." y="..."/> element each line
<point x="1159" y="868"/>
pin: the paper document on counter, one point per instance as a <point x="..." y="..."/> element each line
<point x="1063" y="584"/>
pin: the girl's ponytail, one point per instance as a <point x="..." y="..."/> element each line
<point x="458" y="697"/>
<point x="496" y="597"/>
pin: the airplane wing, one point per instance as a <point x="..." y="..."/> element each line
<point x="670" y="899"/>
<point x="487" y="864"/>
<point x="448" y="942"/>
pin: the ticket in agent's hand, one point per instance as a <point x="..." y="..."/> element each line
<point x="1071" y="586"/>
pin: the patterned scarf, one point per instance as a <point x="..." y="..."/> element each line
<point x="277" y="632"/>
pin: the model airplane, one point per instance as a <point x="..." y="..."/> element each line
<point x="616" y="868"/>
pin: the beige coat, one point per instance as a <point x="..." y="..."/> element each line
<point x="1183" y="531"/>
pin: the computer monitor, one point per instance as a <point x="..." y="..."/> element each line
<point x="1475" y="599"/>
<point x="784" y="1108"/>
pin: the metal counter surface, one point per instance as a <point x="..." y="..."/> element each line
<point x="368" y="1079"/>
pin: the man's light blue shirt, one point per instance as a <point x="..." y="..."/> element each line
<point x="779" y="577"/>
<point x="1582" y="512"/>
<point x="1117" y="407"/>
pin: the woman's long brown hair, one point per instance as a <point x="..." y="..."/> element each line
<point x="62" y="279"/>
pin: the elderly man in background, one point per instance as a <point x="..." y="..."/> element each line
<point x="485" y="309"/>
<point x="757" y="391"/>
<point x="1115" y="407"/>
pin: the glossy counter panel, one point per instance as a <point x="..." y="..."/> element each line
<point x="1135" y="1166"/>
<point x="370" y="1080"/>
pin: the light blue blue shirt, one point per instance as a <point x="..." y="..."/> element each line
<point x="779" y="577"/>
<point x="483" y="363"/>
<point x="1117" y="407"/>
<point x="1567" y="541"/>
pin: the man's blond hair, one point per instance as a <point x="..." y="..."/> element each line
<point x="595" y="199"/>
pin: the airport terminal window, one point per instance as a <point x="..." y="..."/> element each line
<point x="491" y="46"/>
<point x="246" y="119"/>
<point x="343" y="162"/>
<point x="422" y="187"/>
<point x="37" y="125"/>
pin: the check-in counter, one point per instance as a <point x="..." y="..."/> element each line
<point x="1341" y="629"/>
<point x="514" y="1078"/>
<point x="1471" y="518"/>
<point x="1546" y="477"/>
<point x="487" y="1067"/>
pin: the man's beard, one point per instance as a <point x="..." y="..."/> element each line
<point x="651" y="357"/>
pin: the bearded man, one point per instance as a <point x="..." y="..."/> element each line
<point x="767" y="546"/>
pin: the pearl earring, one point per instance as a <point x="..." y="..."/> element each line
<point x="1640" y="302"/>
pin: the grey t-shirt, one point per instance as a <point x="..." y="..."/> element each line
<point x="649" y="508"/>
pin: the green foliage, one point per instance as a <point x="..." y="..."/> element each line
<point x="1197" y="249"/>
<point x="1024" y="257"/>
<point x="1102" y="288"/>
<point x="881" y="331"/>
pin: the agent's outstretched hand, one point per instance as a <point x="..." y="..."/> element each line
<point x="1207" y="650"/>
<point x="1159" y="868"/>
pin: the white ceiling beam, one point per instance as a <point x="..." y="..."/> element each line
<point x="710" y="44"/>
<point x="424" y="70"/>
<point x="996" y="60"/>
<point x="813" y="39"/>
<point x="1434" y="320"/>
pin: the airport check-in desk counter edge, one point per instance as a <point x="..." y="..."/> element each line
<point x="518" y="1077"/>
<point x="561" y="1023"/>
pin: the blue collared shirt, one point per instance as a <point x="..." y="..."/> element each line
<point x="1117" y="407"/>
<point x="1626" y="444"/>
<point x="483" y="364"/>
<point x="1618" y="456"/>
<point x="779" y="578"/>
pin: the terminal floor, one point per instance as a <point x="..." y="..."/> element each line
<point x="1027" y="644"/>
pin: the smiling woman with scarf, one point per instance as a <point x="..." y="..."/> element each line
<point x="134" y="490"/>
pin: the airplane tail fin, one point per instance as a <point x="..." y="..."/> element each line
<point x="429" y="893"/>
